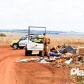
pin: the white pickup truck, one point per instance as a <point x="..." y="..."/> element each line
<point x="35" y="43"/>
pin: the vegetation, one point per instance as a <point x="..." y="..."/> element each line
<point x="74" y="41"/>
<point x="2" y="35"/>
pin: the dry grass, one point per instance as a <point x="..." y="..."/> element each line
<point x="74" y="41"/>
<point x="5" y="41"/>
<point x="67" y="40"/>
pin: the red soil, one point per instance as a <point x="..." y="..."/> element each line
<point x="12" y="72"/>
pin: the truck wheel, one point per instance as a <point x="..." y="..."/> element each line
<point x="28" y="52"/>
<point x="21" y="47"/>
<point x="40" y="53"/>
<point x="15" y="46"/>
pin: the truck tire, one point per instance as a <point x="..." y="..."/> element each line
<point x="40" y="53"/>
<point x="28" y="52"/>
<point x="15" y="46"/>
<point x="21" y="47"/>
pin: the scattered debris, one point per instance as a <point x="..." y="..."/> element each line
<point x="23" y="60"/>
<point x="68" y="61"/>
<point x="59" y="59"/>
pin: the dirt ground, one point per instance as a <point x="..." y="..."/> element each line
<point x="12" y="72"/>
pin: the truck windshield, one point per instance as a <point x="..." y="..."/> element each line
<point x="23" y="38"/>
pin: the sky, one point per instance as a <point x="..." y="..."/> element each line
<point x="55" y="15"/>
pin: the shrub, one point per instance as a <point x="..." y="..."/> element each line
<point x="2" y="35"/>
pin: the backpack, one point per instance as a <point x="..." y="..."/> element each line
<point x="48" y="40"/>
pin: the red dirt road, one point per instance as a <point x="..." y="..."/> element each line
<point x="12" y="72"/>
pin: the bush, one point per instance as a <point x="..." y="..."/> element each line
<point x="2" y="35"/>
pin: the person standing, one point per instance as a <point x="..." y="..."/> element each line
<point x="45" y="43"/>
<point x="45" y="48"/>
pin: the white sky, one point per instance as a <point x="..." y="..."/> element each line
<point x="59" y="15"/>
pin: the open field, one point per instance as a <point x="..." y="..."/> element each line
<point x="5" y="41"/>
<point x="74" y="41"/>
<point x="12" y="72"/>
